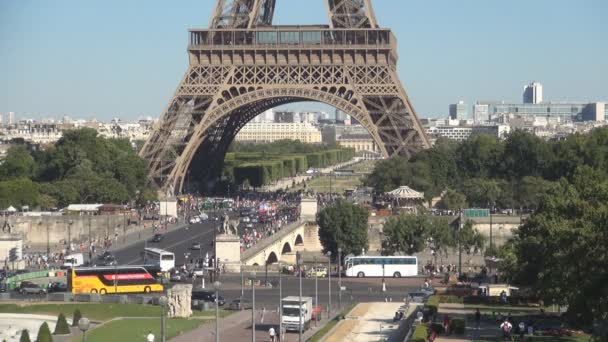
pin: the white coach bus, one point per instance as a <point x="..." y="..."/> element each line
<point x="160" y="257"/>
<point x="381" y="266"/>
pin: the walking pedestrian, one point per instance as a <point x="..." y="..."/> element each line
<point x="150" y="337"/>
<point x="272" y="334"/>
<point x="506" y="328"/>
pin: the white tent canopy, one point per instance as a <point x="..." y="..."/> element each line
<point x="11" y="209"/>
<point x="405" y="192"/>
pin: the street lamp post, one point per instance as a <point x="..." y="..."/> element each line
<point x="83" y="325"/>
<point x="90" y="241"/>
<point x="242" y="286"/>
<point x="48" y="238"/>
<point x="70" y="234"/>
<point x="216" y="286"/>
<point x="299" y="262"/>
<point x="280" y="302"/>
<point x="340" y="277"/>
<point x="329" y="281"/>
<point x="383" y="280"/>
<point x="316" y="289"/>
<point x="162" y="301"/>
<point x="252" y="278"/>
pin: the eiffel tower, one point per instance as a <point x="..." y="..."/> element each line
<point x="243" y="65"/>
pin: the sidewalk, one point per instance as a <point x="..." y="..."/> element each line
<point x="369" y="322"/>
<point x="286" y="183"/>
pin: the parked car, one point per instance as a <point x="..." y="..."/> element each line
<point x="157" y="238"/>
<point x="3" y="287"/>
<point x="196" y="246"/>
<point x="58" y="287"/>
<point x="105" y="255"/>
<point x="320" y="272"/>
<point x="418" y="296"/>
<point x="207" y="296"/>
<point x="27" y="287"/>
<point x="194" y="220"/>
<point x="237" y="304"/>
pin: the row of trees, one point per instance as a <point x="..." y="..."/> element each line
<point x="344" y="225"/>
<point x="259" y="166"/>
<point x="487" y="172"/>
<point x="81" y="167"/>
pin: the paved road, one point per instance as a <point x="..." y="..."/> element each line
<point x="177" y="241"/>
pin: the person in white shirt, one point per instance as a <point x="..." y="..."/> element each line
<point x="272" y="334"/>
<point x="150" y="337"/>
<point x="506" y="327"/>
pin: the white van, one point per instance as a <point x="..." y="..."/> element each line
<point x="73" y="260"/>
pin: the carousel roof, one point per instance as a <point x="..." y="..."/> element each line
<point x="406" y="192"/>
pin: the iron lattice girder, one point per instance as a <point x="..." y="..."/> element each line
<point x="236" y="74"/>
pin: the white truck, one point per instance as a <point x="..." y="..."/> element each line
<point x="291" y="307"/>
<point x="73" y="260"/>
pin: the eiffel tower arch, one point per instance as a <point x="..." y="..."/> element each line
<point x="243" y="65"/>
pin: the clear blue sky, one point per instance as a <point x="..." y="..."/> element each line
<point x="125" y="58"/>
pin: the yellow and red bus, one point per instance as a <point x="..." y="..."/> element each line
<point x="117" y="279"/>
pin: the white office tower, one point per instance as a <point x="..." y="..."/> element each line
<point x="11" y="118"/>
<point x="1" y="119"/>
<point x="458" y="111"/>
<point x="481" y="113"/>
<point x="533" y="93"/>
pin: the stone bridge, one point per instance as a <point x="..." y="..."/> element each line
<point x="300" y="236"/>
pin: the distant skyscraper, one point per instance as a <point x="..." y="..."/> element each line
<point x="458" y="111"/>
<point x="533" y="93"/>
<point x="1" y="119"/>
<point x="340" y="115"/>
<point x="11" y="118"/>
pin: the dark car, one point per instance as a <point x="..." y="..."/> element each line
<point x="207" y="296"/>
<point x="27" y="287"/>
<point x="157" y="238"/>
<point x="58" y="287"/>
<point x="3" y="287"/>
<point x="105" y="255"/>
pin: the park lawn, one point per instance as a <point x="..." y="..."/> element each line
<point x="576" y="338"/>
<point x="97" y="312"/>
<point x="136" y="329"/>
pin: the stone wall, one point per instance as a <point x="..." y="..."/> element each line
<point x="34" y="229"/>
<point x="311" y="238"/>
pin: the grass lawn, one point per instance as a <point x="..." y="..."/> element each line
<point x="97" y="312"/>
<point x="136" y="329"/>
<point x="364" y="166"/>
<point x="327" y="327"/>
<point x="338" y="184"/>
<point x="578" y="338"/>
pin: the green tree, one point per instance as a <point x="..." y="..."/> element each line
<point x="388" y="174"/>
<point x="76" y="317"/>
<point x="44" y="333"/>
<point x="18" y="192"/>
<point x="406" y="234"/>
<point x="343" y="225"/>
<point x="62" y="327"/>
<point x="453" y="200"/>
<point x="469" y="239"/>
<point x="25" y="336"/>
<point x="18" y="163"/>
<point x="440" y="236"/>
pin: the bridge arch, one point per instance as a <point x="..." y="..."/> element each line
<point x="286" y="248"/>
<point x="299" y="241"/>
<point x="229" y="116"/>
<point x="272" y="258"/>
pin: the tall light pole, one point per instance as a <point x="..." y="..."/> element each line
<point x="252" y="278"/>
<point x="280" y="302"/>
<point x="329" y="281"/>
<point x="162" y="301"/>
<point x="316" y="289"/>
<point x="216" y="286"/>
<point x="299" y="262"/>
<point x="48" y="238"/>
<point x="242" y="286"/>
<point x="90" y="241"/>
<point x="340" y="277"/>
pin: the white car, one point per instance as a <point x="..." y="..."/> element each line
<point x="203" y="217"/>
<point x="246" y="219"/>
<point x="195" y="219"/>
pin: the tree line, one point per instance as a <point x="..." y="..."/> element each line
<point x="486" y="172"/>
<point x="81" y="167"/>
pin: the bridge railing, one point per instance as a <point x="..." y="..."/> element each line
<point x="268" y="241"/>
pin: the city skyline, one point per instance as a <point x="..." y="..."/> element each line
<point x="111" y="59"/>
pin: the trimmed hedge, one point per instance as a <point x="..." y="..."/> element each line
<point x="77" y="316"/>
<point x="457" y="326"/>
<point x="62" y="327"/>
<point x="450" y="299"/>
<point x="420" y="333"/>
<point x="25" y="336"/>
<point x="44" y="333"/>
<point x="432" y="305"/>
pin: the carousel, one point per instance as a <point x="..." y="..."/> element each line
<point x="406" y="199"/>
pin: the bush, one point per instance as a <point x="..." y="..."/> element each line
<point x="420" y="334"/>
<point x="432" y="306"/>
<point x="450" y="299"/>
<point x="62" y="327"/>
<point x="457" y="326"/>
<point x="44" y="334"/>
<point x="437" y="328"/>
<point x="25" y="336"/>
<point x="77" y="316"/>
